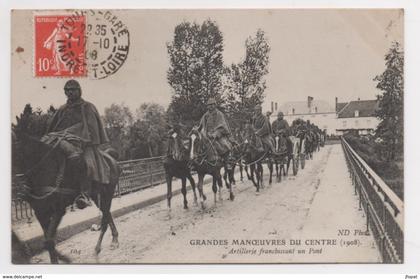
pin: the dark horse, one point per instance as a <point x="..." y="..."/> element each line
<point x="205" y="160"/>
<point x="254" y="158"/>
<point x="176" y="164"/>
<point x="284" y="150"/>
<point x="50" y="185"/>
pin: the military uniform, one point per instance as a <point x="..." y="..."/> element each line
<point x="77" y="128"/>
<point x="214" y="125"/>
<point x="262" y="128"/>
<point x="280" y="126"/>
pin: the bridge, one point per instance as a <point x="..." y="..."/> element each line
<point x="335" y="210"/>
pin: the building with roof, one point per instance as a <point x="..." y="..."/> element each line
<point x="319" y="112"/>
<point x="357" y="115"/>
<point x="354" y="115"/>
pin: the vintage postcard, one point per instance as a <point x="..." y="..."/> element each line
<point x="207" y="136"/>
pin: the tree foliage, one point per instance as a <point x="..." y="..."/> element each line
<point x="244" y="82"/>
<point x="196" y="69"/>
<point x="390" y="110"/>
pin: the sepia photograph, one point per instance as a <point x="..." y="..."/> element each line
<point x="207" y="136"/>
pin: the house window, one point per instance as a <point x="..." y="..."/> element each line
<point x="316" y="109"/>
<point x="356" y="113"/>
<point x="293" y="111"/>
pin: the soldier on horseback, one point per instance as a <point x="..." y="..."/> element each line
<point x="77" y="130"/>
<point x="214" y="126"/>
<point x="263" y="131"/>
<point x="281" y="128"/>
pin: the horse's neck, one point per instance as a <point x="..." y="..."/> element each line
<point x="206" y="149"/>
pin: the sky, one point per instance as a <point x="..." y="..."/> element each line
<point x="319" y="53"/>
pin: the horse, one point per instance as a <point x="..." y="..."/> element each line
<point x="254" y="157"/>
<point x="50" y="185"/>
<point x="284" y="150"/>
<point x="205" y="160"/>
<point x="176" y="164"/>
<point x="235" y="160"/>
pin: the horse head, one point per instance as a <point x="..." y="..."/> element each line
<point x="177" y="147"/>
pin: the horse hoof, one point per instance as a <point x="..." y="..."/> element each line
<point x="204" y="197"/>
<point x="232" y="197"/>
<point x="185" y="206"/>
<point x="114" y="245"/>
<point x="97" y="250"/>
<point x="202" y="206"/>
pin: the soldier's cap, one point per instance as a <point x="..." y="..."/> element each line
<point x="280" y="113"/>
<point x="72" y="84"/>
<point x="211" y="101"/>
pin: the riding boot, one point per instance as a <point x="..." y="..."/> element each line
<point x="82" y="200"/>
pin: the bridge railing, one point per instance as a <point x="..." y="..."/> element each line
<point x="384" y="210"/>
<point x="140" y="174"/>
<point x="135" y="175"/>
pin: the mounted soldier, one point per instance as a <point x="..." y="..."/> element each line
<point x="77" y="130"/>
<point x="263" y="131"/>
<point x="281" y="128"/>
<point x="214" y="125"/>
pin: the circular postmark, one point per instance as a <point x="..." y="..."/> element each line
<point x="108" y="43"/>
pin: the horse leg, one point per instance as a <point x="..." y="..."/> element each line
<point x="232" y="177"/>
<point x="261" y="173"/>
<point x="255" y="182"/>
<point x="289" y="159"/>
<point x="231" y="195"/>
<point x="225" y="175"/>
<point x="270" y="168"/>
<point x="184" y="192"/>
<point x="247" y="174"/>
<point x="50" y="234"/>
<point x="214" y="188"/>
<point x="192" y="182"/>
<point x="254" y="168"/>
<point x="104" y="227"/>
<point x="169" y="193"/>
<point x="241" y="169"/>
<point x="114" y="243"/>
<point x="220" y="184"/>
<point x="200" y="189"/>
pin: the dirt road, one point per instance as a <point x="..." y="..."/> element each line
<point x="312" y="217"/>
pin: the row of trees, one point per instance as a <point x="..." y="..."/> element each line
<point x="197" y="72"/>
<point x="138" y="135"/>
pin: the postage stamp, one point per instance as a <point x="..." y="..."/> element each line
<point x="59" y="46"/>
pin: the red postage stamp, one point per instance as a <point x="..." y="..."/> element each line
<point x="60" y="44"/>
